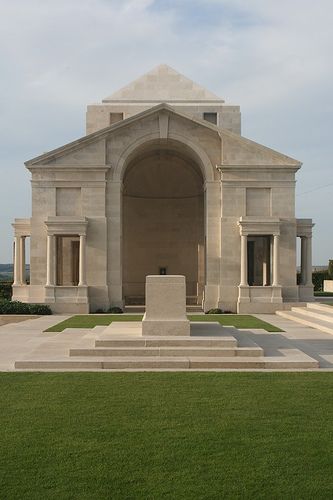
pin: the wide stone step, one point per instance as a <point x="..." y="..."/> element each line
<point x="278" y="363"/>
<point x="313" y="306"/>
<point x="300" y="318"/>
<point x="167" y="363"/>
<point x="314" y="314"/>
<point x="225" y="342"/>
<point x="154" y="362"/>
<point x="168" y="351"/>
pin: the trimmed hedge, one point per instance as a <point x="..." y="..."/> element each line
<point x="318" y="278"/>
<point x="214" y="311"/>
<point x="115" y="310"/>
<point x="217" y="311"/>
<point x="16" y="307"/>
<point x="111" y="310"/>
<point x="5" y="290"/>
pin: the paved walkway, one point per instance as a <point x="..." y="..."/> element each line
<point x="313" y="342"/>
<point x="19" y="340"/>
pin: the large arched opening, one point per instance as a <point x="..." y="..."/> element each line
<point x="163" y="219"/>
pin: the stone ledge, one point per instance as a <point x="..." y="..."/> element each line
<point x="6" y="319"/>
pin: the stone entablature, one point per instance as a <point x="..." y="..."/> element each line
<point x="66" y="225"/>
<point x="259" y="226"/>
<point x="22" y="227"/>
<point x="163" y="190"/>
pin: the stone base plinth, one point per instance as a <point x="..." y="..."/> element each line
<point x="165" y="306"/>
<point x="166" y="328"/>
<point x="305" y="293"/>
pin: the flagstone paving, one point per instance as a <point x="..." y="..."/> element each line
<point x="27" y="340"/>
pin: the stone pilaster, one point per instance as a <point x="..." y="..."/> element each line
<point x="82" y="261"/>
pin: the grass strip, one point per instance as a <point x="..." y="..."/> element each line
<point x="92" y="320"/>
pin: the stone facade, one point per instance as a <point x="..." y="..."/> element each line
<point x="163" y="183"/>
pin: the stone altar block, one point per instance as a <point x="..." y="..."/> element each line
<point x="165" y="306"/>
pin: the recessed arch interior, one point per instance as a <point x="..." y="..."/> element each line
<point x="163" y="219"/>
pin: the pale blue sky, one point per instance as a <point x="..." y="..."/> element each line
<point x="272" y="58"/>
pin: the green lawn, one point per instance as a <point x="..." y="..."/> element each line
<point x="91" y="320"/>
<point x="237" y="320"/>
<point x="323" y="294"/>
<point x="166" y="436"/>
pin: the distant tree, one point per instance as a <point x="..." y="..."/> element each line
<point x="330" y="268"/>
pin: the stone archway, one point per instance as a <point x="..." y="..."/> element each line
<point x="162" y="219"/>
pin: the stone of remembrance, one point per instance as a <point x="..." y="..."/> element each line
<point x="163" y="183"/>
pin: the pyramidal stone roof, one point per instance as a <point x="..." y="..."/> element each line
<point x="163" y="84"/>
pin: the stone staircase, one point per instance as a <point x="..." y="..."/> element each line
<point x="121" y="346"/>
<point x="319" y="316"/>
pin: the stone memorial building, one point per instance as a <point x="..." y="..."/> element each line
<point x="163" y="183"/>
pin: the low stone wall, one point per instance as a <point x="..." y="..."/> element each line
<point x="5" y="319"/>
<point x="328" y="285"/>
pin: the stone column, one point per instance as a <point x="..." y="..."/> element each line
<point x="201" y="272"/>
<point x="212" y="243"/>
<point x="22" y="252"/>
<point x="114" y="244"/>
<point x="266" y="279"/>
<point x="309" y="261"/>
<point x="82" y="261"/>
<point x="303" y="260"/>
<point x="244" y="280"/>
<point x="56" y="261"/>
<point x="49" y="260"/>
<point x="276" y="260"/>
<point x="17" y="260"/>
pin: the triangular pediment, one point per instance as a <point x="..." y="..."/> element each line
<point x="163" y="84"/>
<point x="93" y="144"/>
<point x="238" y="150"/>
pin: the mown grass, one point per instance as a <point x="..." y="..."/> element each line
<point x="91" y="320"/>
<point x="166" y="435"/>
<point x="237" y="320"/>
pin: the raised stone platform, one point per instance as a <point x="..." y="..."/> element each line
<point x="121" y="346"/>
